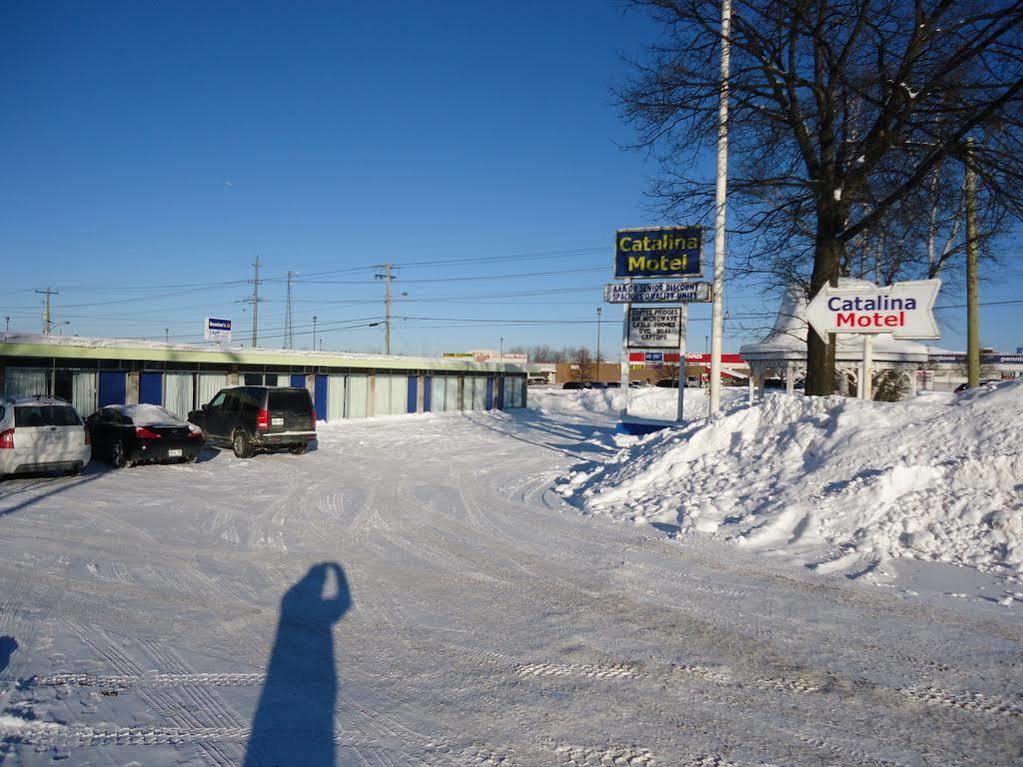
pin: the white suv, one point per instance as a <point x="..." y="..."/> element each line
<point x="41" y="434"/>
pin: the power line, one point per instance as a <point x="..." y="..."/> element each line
<point x="982" y="303"/>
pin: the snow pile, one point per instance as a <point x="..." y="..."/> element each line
<point x="644" y="402"/>
<point x="833" y="482"/>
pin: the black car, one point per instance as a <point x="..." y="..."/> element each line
<point x="128" y="434"/>
<point x="251" y="418"/>
<point x="966" y="386"/>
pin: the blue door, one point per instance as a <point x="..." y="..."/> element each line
<point x="413" y="394"/>
<point x="151" y="388"/>
<point x="499" y="393"/>
<point x="297" y="379"/>
<point x="490" y="394"/>
<point x="113" y="386"/>
<point x="427" y="389"/>
<point x="320" y="398"/>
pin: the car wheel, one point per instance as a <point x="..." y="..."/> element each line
<point x="242" y="446"/>
<point x="118" y="455"/>
<point x="300" y="449"/>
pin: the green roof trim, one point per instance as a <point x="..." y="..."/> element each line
<point x="269" y="357"/>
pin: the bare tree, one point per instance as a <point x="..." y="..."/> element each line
<point x="847" y="116"/>
<point x="583" y="364"/>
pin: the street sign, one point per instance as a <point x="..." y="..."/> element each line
<point x="904" y="309"/>
<point x="657" y="292"/>
<point x="218" y="330"/>
<point x="659" y="252"/>
<point x="655" y="327"/>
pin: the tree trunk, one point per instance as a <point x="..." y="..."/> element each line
<point x="827" y="257"/>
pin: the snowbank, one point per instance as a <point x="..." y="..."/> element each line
<point x="644" y="402"/>
<point x="832" y="482"/>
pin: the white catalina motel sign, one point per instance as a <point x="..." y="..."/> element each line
<point x="903" y="309"/>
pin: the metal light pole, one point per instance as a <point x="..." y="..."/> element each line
<point x="972" y="292"/>
<point x="314" y="332"/>
<point x="717" y="326"/>
<point x="500" y="354"/>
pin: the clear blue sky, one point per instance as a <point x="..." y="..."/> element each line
<point x="152" y="150"/>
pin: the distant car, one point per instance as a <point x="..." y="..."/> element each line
<point x="983" y="382"/>
<point x="668" y="383"/>
<point x="252" y="418"/>
<point x="576" y="385"/>
<point x="123" y="435"/>
<point x="42" y="435"/>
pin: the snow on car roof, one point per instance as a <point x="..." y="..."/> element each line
<point x="147" y="415"/>
<point x="37" y="400"/>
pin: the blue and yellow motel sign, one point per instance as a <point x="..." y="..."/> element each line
<point x="659" y="252"/>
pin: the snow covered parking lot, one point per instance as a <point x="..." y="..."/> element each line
<point x="413" y="592"/>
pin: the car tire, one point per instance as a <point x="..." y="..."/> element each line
<point x="119" y="455"/>
<point x="299" y="449"/>
<point x="241" y="445"/>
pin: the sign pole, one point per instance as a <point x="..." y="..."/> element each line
<point x="868" y="366"/>
<point x="717" y="324"/>
<point x="861" y="376"/>
<point x="625" y="356"/>
<point x="684" y="330"/>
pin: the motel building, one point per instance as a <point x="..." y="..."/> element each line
<point x="93" y="372"/>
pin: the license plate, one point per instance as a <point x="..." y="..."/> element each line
<point x="53" y="436"/>
<point x="277" y="422"/>
<point x="174" y="453"/>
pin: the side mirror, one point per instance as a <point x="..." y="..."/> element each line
<point x="205" y="407"/>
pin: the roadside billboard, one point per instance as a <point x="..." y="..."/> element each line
<point x="217" y="329"/>
<point x="659" y="252"/>
<point x="904" y="309"/>
<point x="657" y="292"/>
<point x="655" y="327"/>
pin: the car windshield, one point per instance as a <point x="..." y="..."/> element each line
<point x="45" y="415"/>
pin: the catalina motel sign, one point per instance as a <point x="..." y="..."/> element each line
<point x="904" y="309"/>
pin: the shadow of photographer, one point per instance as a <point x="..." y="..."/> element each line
<point x="294" y="719"/>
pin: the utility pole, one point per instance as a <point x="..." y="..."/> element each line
<point x="289" y="322"/>
<point x="386" y="277"/>
<point x="717" y="321"/>
<point x="166" y="335"/>
<point x="972" y="288"/>
<point x="47" y="322"/>
<point x="256" y="282"/>
<point x="600" y="311"/>
<point x="314" y="333"/>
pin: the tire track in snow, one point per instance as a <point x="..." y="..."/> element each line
<point x="972" y="702"/>
<point x="194" y="704"/>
